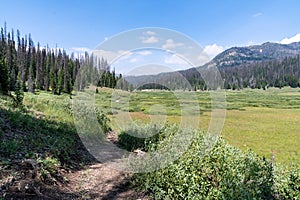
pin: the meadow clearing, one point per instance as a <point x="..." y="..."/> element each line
<point x="266" y="121"/>
<point x="263" y="122"/>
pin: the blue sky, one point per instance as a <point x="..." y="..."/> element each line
<point x="214" y="24"/>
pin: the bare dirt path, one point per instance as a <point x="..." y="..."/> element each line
<point x="102" y="181"/>
<point x="96" y="181"/>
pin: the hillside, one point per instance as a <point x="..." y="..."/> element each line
<point x="42" y="156"/>
<point x="267" y="51"/>
<point x="258" y="66"/>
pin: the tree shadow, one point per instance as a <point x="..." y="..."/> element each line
<point x="25" y="135"/>
<point x="30" y="136"/>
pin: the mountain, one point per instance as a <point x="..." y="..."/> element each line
<point x="257" y="66"/>
<point x="267" y="51"/>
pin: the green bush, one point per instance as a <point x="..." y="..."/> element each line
<point x="9" y="148"/>
<point x="224" y="173"/>
<point x="287" y="182"/>
<point x="143" y="137"/>
<point x="103" y="121"/>
<point x="18" y="96"/>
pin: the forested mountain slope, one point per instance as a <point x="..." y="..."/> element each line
<point x="258" y="66"/>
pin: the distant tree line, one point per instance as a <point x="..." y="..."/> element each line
<point x="258" y="74"/>
<point x="272" y="73"/>
<point x="28" y="67"/>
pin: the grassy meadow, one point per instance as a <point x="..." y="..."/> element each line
<point x="266" y="121"/>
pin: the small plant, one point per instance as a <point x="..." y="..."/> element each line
<point x="103" y="121"/>
<point x="139" y="137"/>
<point x="8" y="148"/>
<point x="49" y="169"/>
<point x="18" y="96"/>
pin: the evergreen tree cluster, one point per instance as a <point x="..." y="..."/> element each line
<point x="28" y="67"/>
<point x="257" y="74"/>
<point x="272" y="73"/>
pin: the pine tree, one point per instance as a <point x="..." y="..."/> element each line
<point x="39" y="68"/>
<point x="4" y="84"/>
<point x="13" y="67"/>
<point x="67" y="77"/>
<point x="4" y="78"/>
<point x="60" y="81"/>
<point x="31" y="67"/>
<point x="47" y="71"/>
<point x="114" y="81"/>
<point x="22" y="60"/>
<point x="19" y="94"/>
<point x="53" y="81"/>
<point x="11" y="76"/>
<point x="31" y="83"/>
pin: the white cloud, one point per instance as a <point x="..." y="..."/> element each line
<point x="150" y="33"/>
<point x="257" y="14"/>
<point x="290" y="40"/>
<point x="202" y="59"/>
<point x="110" y="55"/>
<point x="133" y="60"/>
<point x="144" y="53"/>
<point x="174" y="59"/>
<point x="170" y="44"/>
<point x="149" y="40"/>
<point x="149" y="37"/>
<point x="213" y="50"/>
<point x="125" y="53"/>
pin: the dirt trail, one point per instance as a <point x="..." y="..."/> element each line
<point x="102" y="181"/>
<point x="97" y="181"/>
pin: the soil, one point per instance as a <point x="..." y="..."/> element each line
<point x="96" y="181"/>
<point x="102" y="181"/>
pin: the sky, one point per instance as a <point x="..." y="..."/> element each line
<point x="213" y="24"/>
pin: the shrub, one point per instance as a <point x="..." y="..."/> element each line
<point x="142" y="137"/>
<point x="224" y="173"/>
<point x="49" y="169"/>
<point x="103" y="121"/>
<point x="287" y="182"/>
<point x="18" y="96"/>
<point x="9" y="148"/>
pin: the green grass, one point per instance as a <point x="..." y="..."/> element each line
<point x="265" y="130"/>
<point x="46" y="128"/>
<point x="266" y="121"/>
